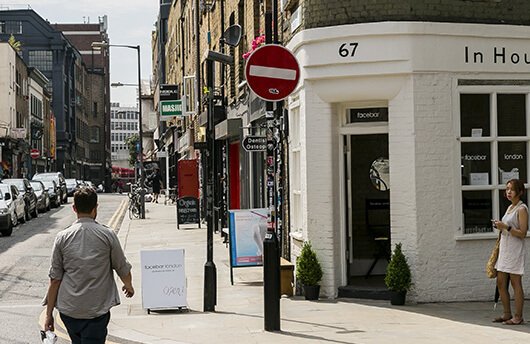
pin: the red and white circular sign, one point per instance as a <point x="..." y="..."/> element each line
<point x="272" y="72"/>
<point x="34" y="153"/>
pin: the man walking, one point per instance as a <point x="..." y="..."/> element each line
<point x="156" y="178"/>
<point x="82" y="286"/>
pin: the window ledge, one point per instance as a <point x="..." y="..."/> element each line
<point x="481" y="236"/>
<point x="297" y="236"/>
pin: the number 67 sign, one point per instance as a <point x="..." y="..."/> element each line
<point x="163" y="279"/>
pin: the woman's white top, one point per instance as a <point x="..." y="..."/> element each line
<point x="512" y="248"/>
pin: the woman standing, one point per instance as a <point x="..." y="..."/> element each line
<point x="510" y="263"/>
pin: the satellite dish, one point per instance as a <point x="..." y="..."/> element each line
<point x="232" y="35"/>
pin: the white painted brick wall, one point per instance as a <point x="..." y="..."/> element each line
<point x="319" y="141"/>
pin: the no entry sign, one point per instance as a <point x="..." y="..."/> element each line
<point x="272" y="72"/>
<point x="34" y="153"/>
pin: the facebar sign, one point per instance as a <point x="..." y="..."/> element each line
<point x="272" y="72"/>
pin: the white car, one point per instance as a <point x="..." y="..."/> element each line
<point x="11" y="208"/>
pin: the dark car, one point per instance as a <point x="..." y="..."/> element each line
<point x="59" y="180"/>
<point x="25" y="189"/>
<point x="43" y="197"/>
<point x="53" y="191"/>
<point x="72" y="185"/>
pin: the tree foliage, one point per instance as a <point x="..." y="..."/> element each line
<point x="133" y="153"/>
<point x="398" y="277"/>
<point x="308" y="268"/>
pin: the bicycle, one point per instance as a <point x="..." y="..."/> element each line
<point x="134" y="201"/>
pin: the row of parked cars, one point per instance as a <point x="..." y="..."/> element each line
<point x="22" y="199"/>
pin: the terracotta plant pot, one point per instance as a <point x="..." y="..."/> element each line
<point x="311" y="292"/>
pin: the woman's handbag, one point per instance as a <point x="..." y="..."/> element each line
<point x="490" y="267"/>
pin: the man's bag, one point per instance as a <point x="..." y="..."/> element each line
<point x="490" y="267"/>
<point x="48" y="337"/>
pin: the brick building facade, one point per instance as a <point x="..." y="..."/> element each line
<point x="379" y="130"/>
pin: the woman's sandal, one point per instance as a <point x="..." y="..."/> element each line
<point x="501" y="319"/>
<point x="511" y="322"/>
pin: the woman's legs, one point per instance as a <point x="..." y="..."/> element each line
<point x="502" y="281"/>
<point x="518" y="292"/>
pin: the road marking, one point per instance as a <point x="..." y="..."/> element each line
<point x="117" y="214"/>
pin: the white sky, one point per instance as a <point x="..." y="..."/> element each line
<point x="130" y="22"/>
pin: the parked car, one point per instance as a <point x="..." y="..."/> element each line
<point x="59" y="180"/>
<point x="25" y="189"/>
<point x="43" y="198"/>
<point x="89" y="183"/>
<point x="11" y="208"/>
<point x="53" y="191"/>
<point x="72" y="185"/>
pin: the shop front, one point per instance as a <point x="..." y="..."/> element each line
<point x="406" y="132"/>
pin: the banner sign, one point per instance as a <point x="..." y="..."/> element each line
<point x="247" y="231"/>
<point x="163" y="279"/>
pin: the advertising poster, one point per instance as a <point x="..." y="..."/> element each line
<point x="247" y="231"/>
<point x="163" y="279"/>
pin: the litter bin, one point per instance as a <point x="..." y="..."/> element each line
<point x="286" y="277"/>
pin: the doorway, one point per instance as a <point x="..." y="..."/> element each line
<point x="368" y="209"/>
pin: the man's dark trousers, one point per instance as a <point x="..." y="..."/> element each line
<point x="87" y="331"/>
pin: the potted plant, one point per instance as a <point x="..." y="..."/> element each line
<point x="309" y="271"/>
<point x="397" y="277"/>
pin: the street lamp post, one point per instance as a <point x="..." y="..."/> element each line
<point x="98" y="46"/>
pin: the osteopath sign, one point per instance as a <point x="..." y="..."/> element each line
<point x="163" y="279"/>
<point x="247" y="231"/>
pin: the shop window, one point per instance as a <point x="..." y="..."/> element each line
<point x="493" y="145"/>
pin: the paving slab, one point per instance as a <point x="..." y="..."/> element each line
<point x="238" y="316"/>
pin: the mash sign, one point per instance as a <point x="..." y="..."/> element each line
<point x="170" y="108"/>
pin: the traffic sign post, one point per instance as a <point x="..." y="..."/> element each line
<point x="272" y="72"/>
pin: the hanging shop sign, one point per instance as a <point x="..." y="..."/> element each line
<point x="18" y="133"/>
<point x="169" y="92"/>
<point x="163" y="279"/>
<point x="255" y="143"/>
<point x="170" y="109"/>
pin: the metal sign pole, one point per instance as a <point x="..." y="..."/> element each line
<point x="271" y="258"/>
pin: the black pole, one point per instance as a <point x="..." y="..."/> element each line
<point x="271" y="258"/>
<point x="210" y="283"/>
<point x="140" y="138"/>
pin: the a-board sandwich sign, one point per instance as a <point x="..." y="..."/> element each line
<point x="188" y="210"/>
<point x="163" y="279"/>
<point x="247" y="231"/>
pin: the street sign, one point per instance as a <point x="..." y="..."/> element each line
<point x="138" y="146"/>
<point x="255" y="143"/>
<point x="272" y="72"/>
<point x="170" y="108"/>
<point x="34" y="153"/>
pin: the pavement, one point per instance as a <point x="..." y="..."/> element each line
<point x="238" y="316"/>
